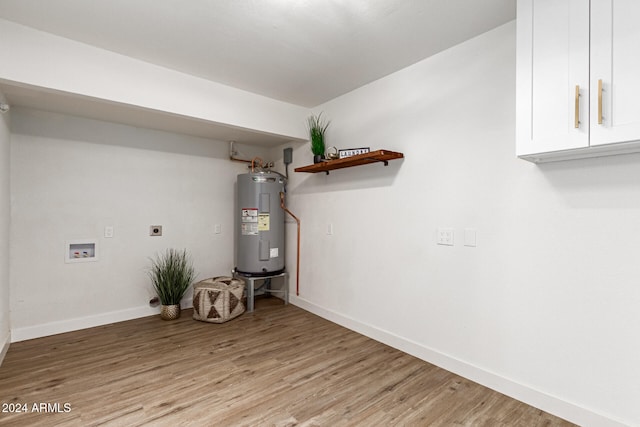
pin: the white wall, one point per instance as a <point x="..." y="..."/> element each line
<point x="70" y="178"/>
<point x="55" y="63"/>
<point x="545" y="308"/>
<point x="5" y="214"/>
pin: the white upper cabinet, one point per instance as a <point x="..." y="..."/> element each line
<point x="553" y="59"/>
<point x="578" y="78"/>
<point x="615" y="60"/>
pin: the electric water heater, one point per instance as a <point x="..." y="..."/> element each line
<point x="259" y="236"/>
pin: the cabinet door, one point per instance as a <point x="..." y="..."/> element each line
<point x="552" y="60"/>
<point x="615" y="44"/>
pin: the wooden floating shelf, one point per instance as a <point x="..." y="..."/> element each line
<point x="378" y="156"/>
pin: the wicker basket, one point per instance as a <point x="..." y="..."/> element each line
<point x="218" y="299"/>
<point x="170" y="312"/>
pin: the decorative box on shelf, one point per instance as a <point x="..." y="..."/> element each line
<point x="348" y="152"/>
<point x="378" y="156"/>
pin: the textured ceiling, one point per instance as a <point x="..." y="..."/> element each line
<point x="304" y="52"/>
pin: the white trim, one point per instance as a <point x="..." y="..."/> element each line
<point x="551" y="404"/>
<point x="68" y="325"/>
<point x="59" y="327"/>
<point x="5" y="348"/>
<point x="616" y="149"/>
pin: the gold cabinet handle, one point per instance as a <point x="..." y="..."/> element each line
<point x="600" y="101"/>
<point x="577" y="109"/>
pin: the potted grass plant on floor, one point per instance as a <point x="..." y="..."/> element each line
<point x="171" y="275"/>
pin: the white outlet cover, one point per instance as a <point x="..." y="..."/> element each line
<point x="444" y="236"/>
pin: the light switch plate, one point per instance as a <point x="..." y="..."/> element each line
<point x="470" y="238"/>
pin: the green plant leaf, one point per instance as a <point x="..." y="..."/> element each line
<point x="317" y="127"/>
<point x="171" y="275"/>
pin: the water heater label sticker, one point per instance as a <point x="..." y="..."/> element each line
<point x="263" y="222"/>
<point x="250" y="215"/>
<point x="250" y="229"/>
<point x="273" y="252"/>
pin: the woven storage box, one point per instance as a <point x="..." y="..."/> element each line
<point x="218" y="299"/>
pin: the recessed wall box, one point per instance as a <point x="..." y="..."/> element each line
<point x="81" y="250"/>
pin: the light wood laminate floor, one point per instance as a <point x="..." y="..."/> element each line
<point x="278" y="366"/>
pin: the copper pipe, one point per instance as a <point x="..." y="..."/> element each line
<point x="282" y="205"/>
<point x="253" y="162"/>
<point x="239" y="160"/>
<point x="232" y="154"/>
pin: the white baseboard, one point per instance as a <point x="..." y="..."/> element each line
<point x="553" y="405"/>
<point x="68" y="325"/>
<point x="5" y="347"/>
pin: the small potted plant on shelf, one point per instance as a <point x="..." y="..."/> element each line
<point x="171" y="275"/>
<point x="317" y="127"/>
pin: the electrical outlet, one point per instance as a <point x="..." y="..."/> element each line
<point x="330" y="228"/>
<point x="108" y="231"/>
<point x="155" y="230"/>
<point x="444" y="236"/>
<point x="217" y="228"/>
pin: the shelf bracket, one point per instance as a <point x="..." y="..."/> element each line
<point x="373" y="159"/>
